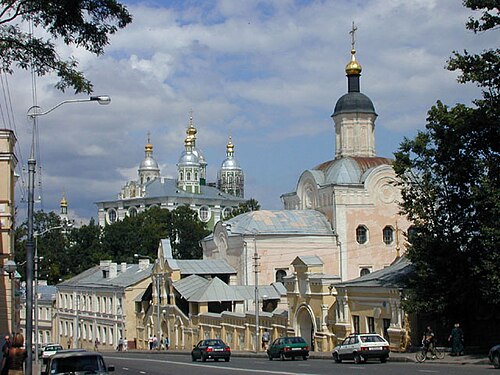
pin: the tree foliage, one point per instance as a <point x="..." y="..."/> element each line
<point x="450" y="175"/>
<point x="247" y="206"/>
<point x="67" y="253"/>
<point x="81" y="23"/>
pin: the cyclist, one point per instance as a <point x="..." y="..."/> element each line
<point x="428" y="341"/>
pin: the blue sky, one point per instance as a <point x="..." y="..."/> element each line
<point x="266" y="72"/>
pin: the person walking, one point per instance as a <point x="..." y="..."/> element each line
<point x="5" y="355"/>
<point x="265" y="339"/>
<point x="17" y="355"/>
<point x="457" y="340"/>
<point x="96" y="344"/>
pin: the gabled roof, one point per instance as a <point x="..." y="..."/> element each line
<point x="308" y="260"/>
<point x="216" y="291"/>
<point x="393" y="276"/>
<point x="190" y="285"/>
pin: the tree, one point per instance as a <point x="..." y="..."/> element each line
<point x="450" y="175"/>
<point x="51" y="247"/>
<point x="247" y="206"/>
<point x="82" y="23"/>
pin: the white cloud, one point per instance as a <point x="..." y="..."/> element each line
<point x="268" y="72"/>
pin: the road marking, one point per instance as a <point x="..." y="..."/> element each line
<point x="430" y="371"/>
<point x="209" y="366"/>
<point x="125" y="368"/>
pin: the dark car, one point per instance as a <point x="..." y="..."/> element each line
<point x="361" y="347"/>
<point x="76" y="362"/>
<point x="211" y="349"/>
<point x="288" y="347"/>
<point x="494" y="356"/>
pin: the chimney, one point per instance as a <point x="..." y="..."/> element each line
<point x="143" y="264"/>
<point x="123" y="267"/>
<point x="104" y="264"/>
<point x="113" y="270"/>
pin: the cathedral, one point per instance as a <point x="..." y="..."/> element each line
<point x="344" y="210"/>
<point x="212" y="201"/>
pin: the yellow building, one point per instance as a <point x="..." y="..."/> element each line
<point x="8" y="162"/>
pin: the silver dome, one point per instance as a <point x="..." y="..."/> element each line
<point x="149" y="164"/>
<point x="230" y="163"/>
<point x="188" y="158"/>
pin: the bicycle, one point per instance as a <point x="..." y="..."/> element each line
<point x="422" y="354"/>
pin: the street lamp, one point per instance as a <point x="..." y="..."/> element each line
<point x="157" y="282"/>
<point x="256" y="265"/>
<point x="34" y="112"/>
<point x="65" y="226"/>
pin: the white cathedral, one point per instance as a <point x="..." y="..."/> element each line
<point x="212" y="201"/>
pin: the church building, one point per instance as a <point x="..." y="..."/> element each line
<point x="212" y="201"/>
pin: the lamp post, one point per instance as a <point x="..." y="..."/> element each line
<point x="35" y="291"/>
<point x="34" y="112"/>
<point x="256" y="265"/>
<point x="157" y="285"/>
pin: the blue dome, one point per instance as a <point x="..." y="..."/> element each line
<point x="354" y="102"/>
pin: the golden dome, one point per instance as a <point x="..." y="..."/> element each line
<point x="148" y="147"/>
<point x="191" y="130"/>
<point x="353" y="67"/>
<point x="64" y="202"/>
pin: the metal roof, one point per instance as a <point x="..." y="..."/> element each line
<point x="309" y="260"/>
<point x="299" y="222"/>
<point x="93" y="277"/>
<point x="216" y="291"/>
<point x="269" y="291"/>
<point x="203" y="266"/>
<point x="190" y="285"/>
<point x="393" y="276"/>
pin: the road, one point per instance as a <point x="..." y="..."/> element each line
<point x="175" y="364"/>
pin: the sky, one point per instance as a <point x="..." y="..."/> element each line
<point x="268" y="73"/>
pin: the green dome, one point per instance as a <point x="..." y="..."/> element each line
<point x="354" y="102"/>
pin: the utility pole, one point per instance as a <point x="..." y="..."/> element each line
<point x="256" y="266"/>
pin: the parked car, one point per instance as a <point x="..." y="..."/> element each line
<point x="361" y="347"/>
<point x="49" y="350"/>
<point x="494" y="356"/>
<point x="288" y="347"/>
<point x="76" y="361"/>
<point x="211" y="349"/>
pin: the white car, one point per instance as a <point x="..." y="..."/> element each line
<point x="361" y="347"/>
<point x="49" y="350"/>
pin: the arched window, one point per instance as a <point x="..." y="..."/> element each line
<point x="132" y="212"/>
<point x="204" y="213"/>
<point x="188" y="176"/>
<point x="388" y="235"/>
<point x="280" y="276"/>
<point x="361" y="234"/>
<point x="111" y="216"/>
<point x="181" y="176"/>
<point x="364" y="271"/>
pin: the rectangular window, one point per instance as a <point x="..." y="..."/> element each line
<point x="370" y="322"/>
<point x="355" y="323"/>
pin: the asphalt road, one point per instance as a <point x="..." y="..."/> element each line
<point x="175" y="364"/>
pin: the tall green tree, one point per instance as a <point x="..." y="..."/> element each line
<point x="82" y="23"/>
<point x="450" y="175"/>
